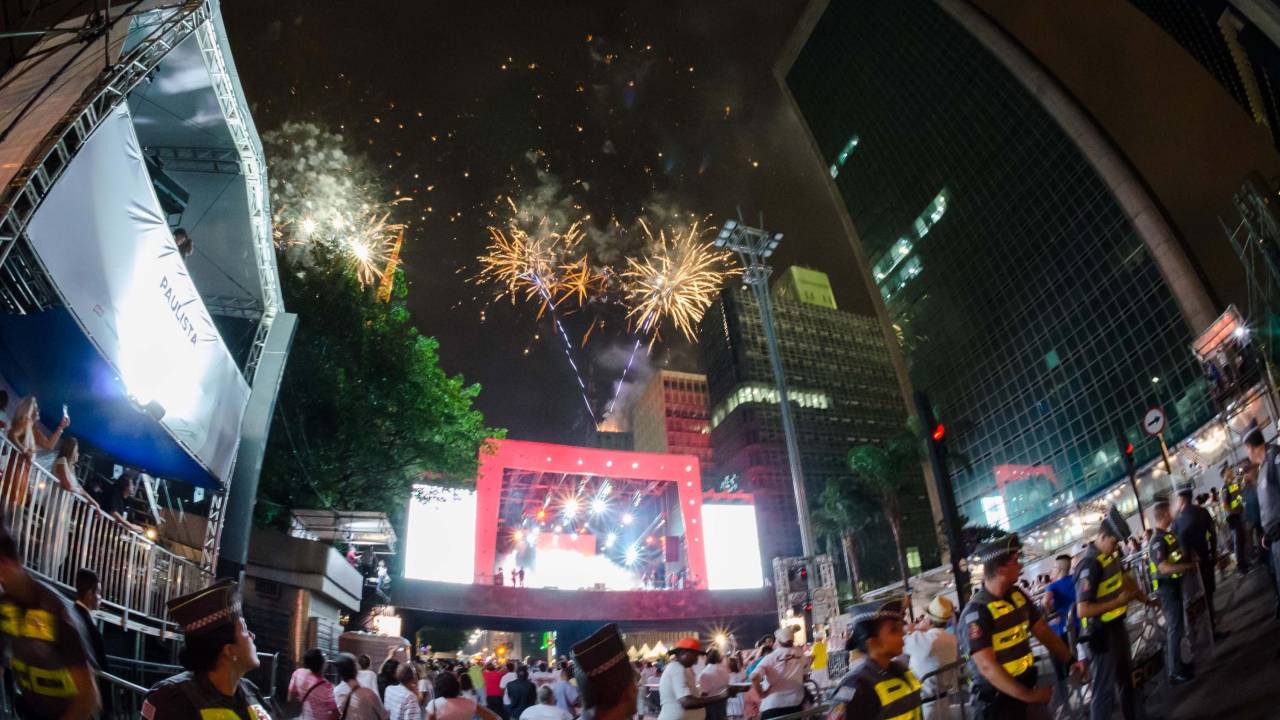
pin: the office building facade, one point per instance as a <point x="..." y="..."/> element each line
<point x="844" y="393"/>
<point x="1035" y="290"/>
<point x="671" y="416"/>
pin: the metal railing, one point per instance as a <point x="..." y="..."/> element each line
<point x="58" y="532"/>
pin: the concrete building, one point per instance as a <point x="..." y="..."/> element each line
<point x="671" y="416"/>
<point x="295" y="593"/>
<point x="844" y="391"/>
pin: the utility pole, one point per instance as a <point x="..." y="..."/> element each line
<point x="754" y="246"/>
<point x="935" y="444"/>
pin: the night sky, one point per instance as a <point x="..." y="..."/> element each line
<point x="631" y="107"/>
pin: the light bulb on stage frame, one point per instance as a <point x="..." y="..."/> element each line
<point x="627" y="518"/>
<point x="598" y="506"/>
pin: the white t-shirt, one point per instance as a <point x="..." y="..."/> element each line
<point x="713" y="679"/>
<point x="783" y="670"/>
<point x="402" y="703"/>
<point x="457" y="708"/>
<point x="678" y="682"/>
<point x="930" y="650"/>
<point x="543" y="678"/>
<point x="545" y="712"/>
<point x="506" y="680"/>
<point x="367" y="678"/>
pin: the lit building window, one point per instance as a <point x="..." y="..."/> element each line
<point x="761" y="393"/>
<point x="843" y="157"/>
<point x="899" y="251"/>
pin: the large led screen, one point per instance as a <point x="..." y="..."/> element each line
<point x="441" y="535"/>
<point x="732" y="547"/>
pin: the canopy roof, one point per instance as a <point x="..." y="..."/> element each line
<point x="355" y="527"/>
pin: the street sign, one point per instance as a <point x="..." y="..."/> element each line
<point x="1153" y="421"/>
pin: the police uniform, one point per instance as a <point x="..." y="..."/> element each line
<point x="1099" y="578"/>
<point x="1233" y="499"/>
<point x="44" y="641"/>
<point x="870" y="691"/>
<point x="190" y="696"/>
<point x="1004" y="625"/>
<point x="1164" y="548"/>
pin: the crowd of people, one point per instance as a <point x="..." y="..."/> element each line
<point x="1078" y="612"/>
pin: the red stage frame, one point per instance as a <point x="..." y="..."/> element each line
<point x="499" y="455"/>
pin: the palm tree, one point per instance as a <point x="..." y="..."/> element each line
<point x="843" y="511"/>
<point x="885" y="472"/>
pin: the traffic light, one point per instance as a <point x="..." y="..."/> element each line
<point x="935" y="434"/>
<point x="1126" y="452"/>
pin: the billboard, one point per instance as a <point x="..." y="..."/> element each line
<point x="440" y="535"/>
<point x="732" y="547"/>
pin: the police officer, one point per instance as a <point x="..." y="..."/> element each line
<point x="218" y="651"/>
<point x="996" y="627"/>
<point x="1167" y="563"/>
<point x="45" y="644"/>
<point x="877" y="687"/>
<point x="1103" y="593"/>
<point x="1233" y="504"/>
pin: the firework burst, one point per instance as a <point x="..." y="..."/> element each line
<point x="675" y="282"/>
<point x="323" y="197"/>
<point x="542" y="265"/>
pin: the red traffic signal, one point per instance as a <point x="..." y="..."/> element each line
<point x="939" y="432"/>
<point x="1128" y="449"/>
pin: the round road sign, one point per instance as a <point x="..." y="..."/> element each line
<point x="1153" y="421"/>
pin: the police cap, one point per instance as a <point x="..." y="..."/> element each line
<point x="209" y="609"/>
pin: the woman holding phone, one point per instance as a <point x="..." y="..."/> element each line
<point x="26" y="438"/>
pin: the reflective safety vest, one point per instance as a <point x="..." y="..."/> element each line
<point x="1010" y="629"/>
<point x="26" y="625"/>
<point x="1175" y="558"/>
<point x="1235" y="498"/>
<point x="899" y="697"/>
<point x="1109" y="586"/>
<point x="896" y="687"/>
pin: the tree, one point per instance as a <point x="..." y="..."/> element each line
<point x="365" y="410"/>
<point x="885" y="472"/>
<point x="844" y="511"/>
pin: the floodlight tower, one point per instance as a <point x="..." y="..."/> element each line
<point x="754" y="246"/>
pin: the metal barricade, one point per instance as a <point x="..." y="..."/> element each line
<point x="57" y="533"/>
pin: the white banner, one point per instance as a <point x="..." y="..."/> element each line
<point x="106" y="243"/>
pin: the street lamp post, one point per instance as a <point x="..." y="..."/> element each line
<point x="754" y="246"/>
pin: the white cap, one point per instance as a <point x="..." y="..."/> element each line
<point x="784" y="634"/>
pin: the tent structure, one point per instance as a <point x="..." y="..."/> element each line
<point x="107" y="147"/>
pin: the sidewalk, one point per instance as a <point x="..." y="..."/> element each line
<point x="1245" y="682"/>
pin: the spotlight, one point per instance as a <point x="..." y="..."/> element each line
<point x="519" y="536"/>
<point x="627" y="518"/>
<point x="571" y="507"/>
<point x="609" y="540"/>
<point x="598" y="506"/>
<point x="632" y="555"/>
<point x="648" y="540"/>
<point x="542" y="514"/>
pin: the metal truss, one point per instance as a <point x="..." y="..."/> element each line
<point x="220" y="161"/>
<point x="30" y="186"/>
<point x="253" y="168"/>
<point x="233" y="306"/>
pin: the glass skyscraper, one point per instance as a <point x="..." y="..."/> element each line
<point x="1025" y="299"/>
